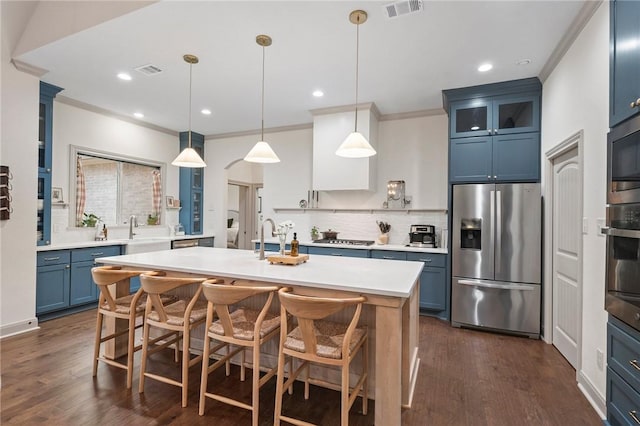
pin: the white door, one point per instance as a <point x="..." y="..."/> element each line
<point x="567" y="237"/>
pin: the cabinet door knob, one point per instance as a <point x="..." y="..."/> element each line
<point x="495" y="177"/>
<point x="635" y="103"/>
<point x="67" y="266"/>
<point x="489" y="131"/>
<point x="488" y="177"/>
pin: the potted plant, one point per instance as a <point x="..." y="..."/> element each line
<point x="89" y="220"/>
<point x="153" y="219"/>
<point x="315" y="233"/>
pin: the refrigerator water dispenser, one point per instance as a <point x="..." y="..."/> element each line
<point x="471" y="234"/>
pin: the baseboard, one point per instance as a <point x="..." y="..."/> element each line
<point x="594" y="397"/>
<point x="18" y="327"/>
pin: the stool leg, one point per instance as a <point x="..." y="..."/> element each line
<point x="130" y="346"/>
<point x="279" y="386"/>
<point x="185" y="366"/>
<point x="96" y="347"/>
<point x="365" y="370"/>
<point x="205" y="372"/>
<point x="242" y="364"/>
<point x="344" y="395"/>
<point x="255" y="375"/>
<point x="143" y="361"/>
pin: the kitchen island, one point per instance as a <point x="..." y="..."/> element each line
<point x="391" y="288"/>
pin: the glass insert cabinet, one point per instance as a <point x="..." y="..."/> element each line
<point x="499" y="115"/>
<point x="45" y="144"/>
<point x="191" y="187"/>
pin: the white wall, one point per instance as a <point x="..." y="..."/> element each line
<point x="19" y="150"/>
<point x="400" y="144"/>
<point x="80" y="127"/>
<point x="576" y="97"/>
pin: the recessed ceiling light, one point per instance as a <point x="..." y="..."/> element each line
<point x="523" y="62"/>
<point x="124" y="76"/>
<point x="318" y="93"/>
<point x="485" y="67"/>
<point x="206" y="111"/>
<point x="138" y="115"/>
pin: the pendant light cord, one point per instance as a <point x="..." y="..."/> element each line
<point x="262" y="111"/>
<point x="357" y="60"/>
<point x="190" y="82"/>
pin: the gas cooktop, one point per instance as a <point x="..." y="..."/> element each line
<point x="346" y="242"/>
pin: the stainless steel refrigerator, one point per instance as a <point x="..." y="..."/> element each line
<point x="496" y="252"/>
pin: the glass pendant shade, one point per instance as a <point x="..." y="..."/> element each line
<point x="355" y="146"/>
<point x="188" y="158"/>
<point x="261" y="153"/>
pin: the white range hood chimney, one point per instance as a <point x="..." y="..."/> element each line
<point x="330" y="127"/>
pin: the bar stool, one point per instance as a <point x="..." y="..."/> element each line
<point x="316" y="340"/>
<point x="128" y="307"/>
<point x="239" y="326"/>
<point x="179" y="318"/>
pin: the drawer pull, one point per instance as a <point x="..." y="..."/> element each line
<point x="336" y="254"/>
<point x="634" y="363"/>
<point x="426" y="260"/>
<point x="388" y="257"/>
<point x="633" y="415"/>
<point x="97" y="254"/>
<point x="49" y="259"/>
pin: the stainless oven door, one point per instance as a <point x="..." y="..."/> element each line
<point x="622" y="297"/>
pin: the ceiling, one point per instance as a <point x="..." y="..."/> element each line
<point x="405" y="62"/>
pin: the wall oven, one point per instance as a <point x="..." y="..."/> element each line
<point x="622" y="298"/>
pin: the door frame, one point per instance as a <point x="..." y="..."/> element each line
<point x="574" y="141"/>
<point x="247" y="211"/>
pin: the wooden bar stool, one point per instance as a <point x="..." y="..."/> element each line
<point x="242" y="327"/>
<point x="128" y="308"/>
<point x="179" y="318"/>
<point x="316" y="340"/>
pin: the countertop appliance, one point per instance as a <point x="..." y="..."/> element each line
<point x="422" y="236"/>
<point x="496" y="257"/>
<point x="622" y="297"/>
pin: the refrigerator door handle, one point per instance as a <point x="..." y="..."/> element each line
<point x="492" y="218"/>
<point x="498" y="246"/>
<point x="478" y="283"/>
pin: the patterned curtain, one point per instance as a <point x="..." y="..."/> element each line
<point x="81" y="195"/>
<point x="157" y="193"/>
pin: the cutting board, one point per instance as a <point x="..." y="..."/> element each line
<point x="287" y="259"/>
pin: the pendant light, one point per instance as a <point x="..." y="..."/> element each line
<point x="189" y="157"/>
<point x="262" y="152"/>
<point x="356" y="145"/>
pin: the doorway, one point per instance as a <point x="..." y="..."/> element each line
<point x="564" y="192"/>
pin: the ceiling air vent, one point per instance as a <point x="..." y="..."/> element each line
<point x="148" y="69"/>
<point x="393" y="10"/>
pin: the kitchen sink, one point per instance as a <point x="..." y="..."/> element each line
<point x="146" y="245"/>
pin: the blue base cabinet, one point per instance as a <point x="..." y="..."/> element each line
<point x="63" y="280"/>
<point x="623" y="373"/>
<point x="329" y="251"/>
<point x="434" y="291"/>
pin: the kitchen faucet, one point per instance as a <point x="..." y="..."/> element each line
<point x="133" y="221"/>
<point x="273" y="234"/>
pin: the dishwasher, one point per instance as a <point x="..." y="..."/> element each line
<point x="178" y="244"/>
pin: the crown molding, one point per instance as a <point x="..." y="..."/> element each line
<point x="28" y="68"/>
<point x="413" y="114"/>
<point x="257" y="131"/>
<point x="105" y="112"/>
<point x="576" y="27"/>
<point x="347" y="108"/>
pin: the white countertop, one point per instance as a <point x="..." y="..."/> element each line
<point x="393" y="247"/>
<point x="118" y="241"/>
<point x="394" y="278"/>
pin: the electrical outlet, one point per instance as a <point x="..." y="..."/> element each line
<point x="600" y="359"/>
<point x="585" y="225"/>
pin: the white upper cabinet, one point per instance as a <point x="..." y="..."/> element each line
<point x="330" y="128"/>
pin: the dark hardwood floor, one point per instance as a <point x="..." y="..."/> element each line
<point x="466" y="378"/>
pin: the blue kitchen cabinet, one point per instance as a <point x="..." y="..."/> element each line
<point x="45" y="146"/>
<point x="52" y="281"/>
<point x="434" y="291"/>
<point x="623" y="373"/>
<point x="624" y="62"/>
<point x="63" y="280"/>
<point x="496" y="115"/>
<point x="494" y="132"/>
<point x="330" y="251"/>
<point x="191" y="187"/>
<point x="388" y="254"/>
